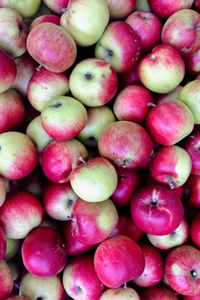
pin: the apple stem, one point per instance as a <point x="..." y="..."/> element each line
<point x="170" y="182"/>
<point x="81" y="159"/>
<point x="38" y="68"/>
<point x="125" y="285"/>
<point x="151" y="104"/>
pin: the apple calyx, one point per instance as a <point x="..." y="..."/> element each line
<point x="88" y="76"/>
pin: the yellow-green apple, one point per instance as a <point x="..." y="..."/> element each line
<point x="98" y="119"/>
<point x="119" y="45"/>
<point x="95" y="180"/>
<point x="120" y="9"/>
<point x="133" y="103"/>
<point x="190" y="96"/>
<point x="118" y="143"/>
<point x="13" y="32"/>
<point x="12" y="247"/>
<point x="192" y="191"/>
<point x="192" y="146"/>
<point x="171" y="96"/>
<point x="3" y="191"/>
<point x="45" y="18"/>
<point x="118" y="260"/>
<point x="162" y="70"/>
<point x="96" y="80"/>
<point x="181" y="31"/>
<point x="142" y="5"/>
<point x="147" y="26"/>
<point x="8" y="71"/>
<point x="49" y="288"/>
<point x="197" y="5"/>
<point x="120" y="294"/>
<point x="3" y="244"/>
<point x="43" y="252"/>
<point x="27" y="8"/>
<point x="170" y="122"/>
<point x="59" y="158"/>
<point x="44" y="86"/>
<point x="85" y="20"/>
<point x="6" y="281"/>
<point x="58" y="6"/>
<point x="63" y="118"/>
<point x="193" y="62"/>
<point x="20" y="213"/>
<point x="158" y="293"/>
<point x="165" y="9"/>
<point x="80" y="280"/>
<point x="156" y="209"/>
<point x="195" y="230"/>
<point x="58" y="58"/>
<point x="18" y="155"/>
<point x="182" y="270"/>
<point x="178" y="237"/>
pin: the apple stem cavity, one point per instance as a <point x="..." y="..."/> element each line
<point x="151" y="104"/>
<point x="193" y="273"/>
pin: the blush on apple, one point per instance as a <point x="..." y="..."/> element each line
<point x="6" y="281"/>
<point x="8" y="71"/>
<point x="195" y="230"/>
<point x="165" y="9"/>
<point x="58" y="6"/>
<point x="158" y="293"/>
<point x="120" y="9"/>
<point x="2" y="243"/>
<point x="192" y="191"/>
<point x="3" y="190"/>
<point x="45" y="18"/>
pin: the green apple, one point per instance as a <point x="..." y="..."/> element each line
<point x="120" y="294"/>
<point x="12" y="246"/>
<point x="27" y="8"/>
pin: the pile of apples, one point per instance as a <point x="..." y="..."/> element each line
<point x="99" y="149"/>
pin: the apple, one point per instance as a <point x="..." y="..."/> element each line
<point x="3" y="191"/>
<point x="147" y="26"/>
<point x="49" y="288"/>
<point x="77" y="284"/>
<point x="33" y="183"/>
<point x="170" y="122"/>
<point x="192" y="191"/>
<point x="118" y="260"/>
<point x="193" y="63"/>
<point x="58" y="6"/>
<point x="165" y="10"/>
<point x="18" y="155"/>
<point x="95" y="180"/>
<point x="12" y="247"/>
<point x="191" y="297"/>
<point x="181" y="30"/>
<point x="26" y="8"/>
<point x="93" y="82"/>
<point x="117" y="143"/>
<point x="162" y="70"/>
<point x="129" y="77"/>
<point x="182" y="270"/>
<point x="178" y="237"/>
<point x="158" y="293"/>
<point x="85" y="20"/>
<point x="171" y="96"/>
<point x="120" y="294"/>
<point x="43" y="252"/>
<point x="17" y="298"/>
<point x="197" y="5"/>
<point x="156" y="210"/>
<point x="58" y="58"/>
<point x="98" y="118"/>
<point x="120" y="9"/>
<point x="2" y="243"/>
<point x="44" y="86"/>
<point x="192" y="146"/>
<point x="132" y="103"/>
<point x="13" y="32"/>
<point x="6" y="281"/>
<point x="8" y="71"/>
<point x="154" y="267"/>
<point x="195" y="230"/>
<point x="63" y="118"/>
<point x="45" y="18"/>
<point x="20" y="213"/>
<point x="119" y="45"/>
<point x="58" y="200"/>
<point x="59" y="158"/>
<point x="190" y="95"/>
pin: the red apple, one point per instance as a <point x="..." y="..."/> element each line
<point x="45" y="18"/>
<point x="8" y="71"/>
<point x="195" y="230"/>
<point x="6" y="281"/>
<point x="120" y="9"/>
<point x="197" y="5"/>
<point x="58" y="6"/>
<point x="193" y="62"/>
<point x="192" y="191"/>
<point x="191" y="297"/>
<point x="2" y="243"/>
<point x="3" y="190"/>
<point x="118" y="260"/>
<point x="158" y="293"/>
<point x="171" y="96"/>
<point x="165" y="9"/>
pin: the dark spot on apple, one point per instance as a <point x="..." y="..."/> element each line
<point x="39" y="298"/>
<point x="56" y="105"/>
<point x="125" y="163"/>
<point x="78" y="290"/>
<point x="193" y="273"/>
<point x="109" y="53"/>
<point x="103" y="76"/>
<point x="173" y="233"/>
<point x="70" y="202"/>
<point x="88" y="76"/>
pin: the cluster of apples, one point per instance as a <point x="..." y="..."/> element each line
<point x="99" y="149"/>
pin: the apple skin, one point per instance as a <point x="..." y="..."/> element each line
<point x="193" y="63"/>
<point x="119" y="45"/>
<point x="192" y="146"/>
<point x="167" y="115"/>
<point x="26" y="8"/>
<point x="45" y="86"/>
<point x="162" y="70"/>
<point x="53" y="59"/>
<point x="120" y="294"/>
<point x="94" y="181"/>
<point x="20" y="208"/>
<point x="17" y="298"/>
<point x="195" y="230"/>
<point x="8" y="71"/>
<point x="12" y="110"/>
<point x="120" y="9"/>
<point x="51" y="259"/>
<point x="154" y="267"/>
<point x="192" y="191"/>
<point x="158" y="293"/>
<point x="50" y="287"/>
<point x="2" y="243"/>
<point x="59" y="158"/>
<point x="178" y="237"/>
<point x="181" y="31"/>
<point x="92" y="223"/>
<point x="132" y="103"/>
<point x="58" y="200"/>
<point x="197" y="5"/>
<point x="191" y="297"/>
<point x="45" y="18"/>
<point x="171" y="96"/>
<point x="6" y="281"/>
<point x="3" y="191"/>
<point x="58" y="6"/>
<point x="156" y="210"/>
<point x="80" y="280"/>
<point x="12" y="247"/>
<point x="63" y="118"/>
<point x="118" y="260"/>
<point x="129" y="77"/>
<point x="142" y="5"/>
<point x="117" y="143"/>
<point x="148" y="27"/>
<point x="182" y="270"/>
<point x="85" y="20"/>
<point x="18" y="155"/>
<point x="93" y="82"/>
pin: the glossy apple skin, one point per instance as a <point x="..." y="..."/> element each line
<point x="156" y="210"/>
<point x="191" y="297"/>
<point x="148" y="27"/>
<point x="2" y="243"/>
<point x="117" y="143"/>
<point x="181" y="263"/>
<point x="120" y="294"/>
<point x="165" y="10"/>
<point x="8" y="71"/>
<point x="132" y="103"/>
<point x="195" y="230"/>
<point x="180" y="31"/>
<point x="119" y="38"/>
<point x="45" y="18"/>
<point x="193" y="63"/>
<point x="158" y="293"/>
<point x="120" y="9"/>
<point x="51" y="259"/>
<point x="58" y="6"/>
<point x="6" y="281"/>
<point x="192" y="191"/>
<point x="42" y="37"/>
<point x="197" y="5"/>
<point x="167" y="115"/>
<point x="118" y="260"/>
